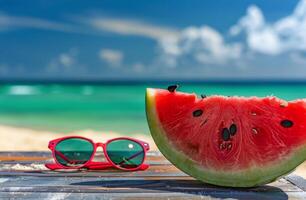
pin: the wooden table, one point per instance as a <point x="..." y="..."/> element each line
<point x="23" y="176"/>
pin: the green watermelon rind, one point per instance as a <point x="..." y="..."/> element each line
<point x="251" y="177"/>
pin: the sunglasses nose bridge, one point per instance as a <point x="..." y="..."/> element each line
<point x="100" y="144"/>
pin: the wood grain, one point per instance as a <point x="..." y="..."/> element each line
<point x="30" y="180"/>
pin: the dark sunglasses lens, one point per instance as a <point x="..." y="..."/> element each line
<point x="73" y="152"/>
<point x="125" y="153"/>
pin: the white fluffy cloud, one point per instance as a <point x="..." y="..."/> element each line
<point x="203" y="44"/>
<point x="285" y="35"/>
<point x="64" y="61"/>
<point x="132" y="27"/>
<point x="207" y="46"/>
<point x="112" y="57"/>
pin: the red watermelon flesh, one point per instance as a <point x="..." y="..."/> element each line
<point x="228" y="141"/>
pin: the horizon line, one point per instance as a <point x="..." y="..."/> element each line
<point x="152" y="81"/>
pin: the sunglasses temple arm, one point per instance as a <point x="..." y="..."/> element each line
<point x="53" y="166"/>
<point x="99" y="165"/>
<point x="93" y="165"/>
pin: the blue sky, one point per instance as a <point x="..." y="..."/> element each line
<point x="162" y="39"/>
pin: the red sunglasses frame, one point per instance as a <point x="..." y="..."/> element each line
<point x="96" y="165"/>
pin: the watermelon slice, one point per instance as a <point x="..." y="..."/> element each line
<point x="228" y="141"/>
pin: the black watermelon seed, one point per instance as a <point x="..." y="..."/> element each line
<point x="286" y="123"/>
<point x="233" y="129"/>
<point x="203" y="96"/>
<point x="172" y="88"/>
<point x="197" y="113"/>
<point x="225" y="134"/>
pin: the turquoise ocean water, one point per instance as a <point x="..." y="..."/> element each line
<point x="106" y="107"/>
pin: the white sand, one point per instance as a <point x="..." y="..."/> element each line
<point x="25" y="139"/>
<point x="23" y="167"/>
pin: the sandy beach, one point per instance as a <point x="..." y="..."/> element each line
<point x="25" y="139"/>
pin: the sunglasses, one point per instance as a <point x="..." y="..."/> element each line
<point x="77" y="152"/>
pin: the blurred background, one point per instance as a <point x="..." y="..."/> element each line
<point x="81" y="67"/>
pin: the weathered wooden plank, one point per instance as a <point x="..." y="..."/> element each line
<point x="96" y="178"/>
<point x="161" y="196"/>
<point x="127" y="185"/>
<point x="29" y="180"/>
<point x="155" y="170"/>
<point x="297" y="180"/>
